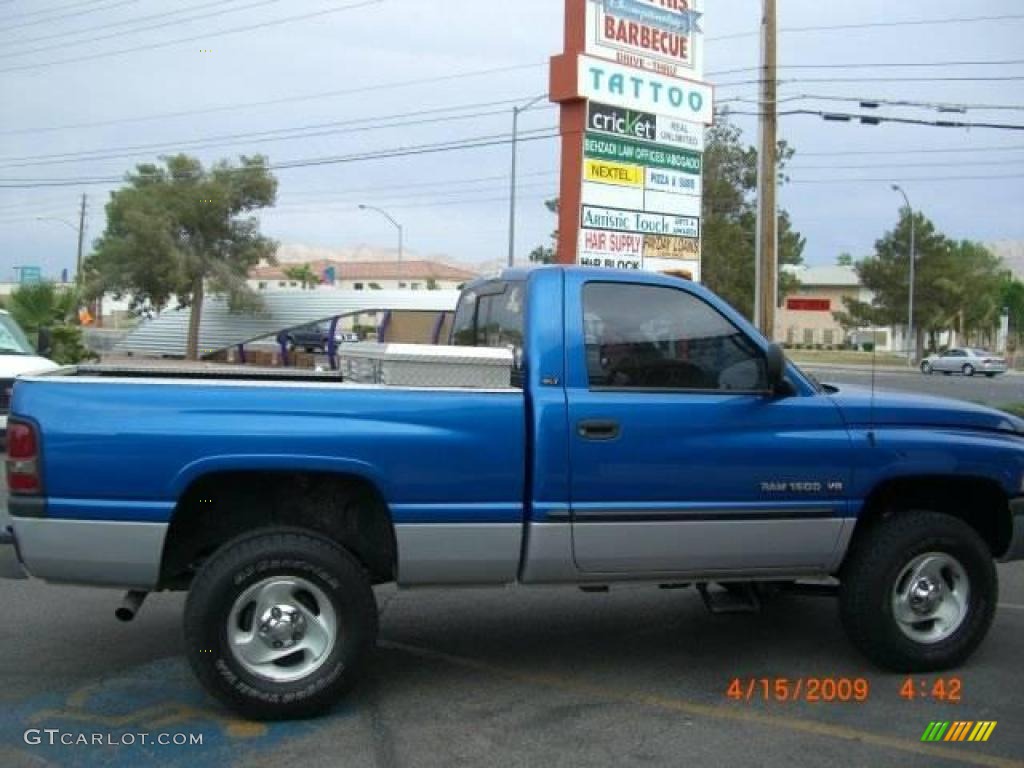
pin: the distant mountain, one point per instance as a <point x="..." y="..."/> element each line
<point x="305" y="254"/>
<point x="1012" y="254"/>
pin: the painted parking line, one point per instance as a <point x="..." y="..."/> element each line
<point x="157" y="698"/>
<point x="1011" y="606"/>
<point x="794" y="724"/>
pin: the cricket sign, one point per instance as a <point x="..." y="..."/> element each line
<point x="657" y="35"/>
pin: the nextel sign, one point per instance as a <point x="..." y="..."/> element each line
<point x="622" y="122"/>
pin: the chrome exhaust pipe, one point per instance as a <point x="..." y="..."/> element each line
<point x="133" y="600"/>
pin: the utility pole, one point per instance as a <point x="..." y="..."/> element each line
<point x="767" y="257"/>
<point x="81" y="238"/>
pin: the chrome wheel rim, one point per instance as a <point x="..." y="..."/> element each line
<point x="282" y="629"/>
<point x="931" y="597"/>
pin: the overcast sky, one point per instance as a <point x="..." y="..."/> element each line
<point x="382" y="73"/>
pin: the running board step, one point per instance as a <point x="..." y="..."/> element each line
<point x="737" y="598"/>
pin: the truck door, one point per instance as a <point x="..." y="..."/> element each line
<point x="681" y="460"/>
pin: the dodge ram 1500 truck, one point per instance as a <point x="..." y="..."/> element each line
<point x="648" y="433"/>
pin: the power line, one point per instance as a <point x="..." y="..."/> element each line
<point x="178" y="41"/>
<point x="904" y="179"/>
<point x="476" y="142"/>
<point x="869" y="25"/>
<point x="172" y="22"/>
<point x="874" y="166"/>
<point x="278" y="101"/>
<point x="379" y="122"/>
<point x="846" y="117"/>
<point x="94" y="9"/>
<point x="936" y="150"/>
<point x="889" y="102"/>
<point x="877" y="65"/>
<point x="790" y="80"/>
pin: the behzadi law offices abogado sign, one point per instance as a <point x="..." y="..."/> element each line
<point x="633" y="117"/>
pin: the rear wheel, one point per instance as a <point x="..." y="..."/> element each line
<point x="990" y="375"/>
<point x="926" y="368"/>
<point x="279" y="623"/>
<point x="918" y="592"/>
<point x="968" y="370"/>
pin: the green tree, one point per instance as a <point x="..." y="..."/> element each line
<point x="178" y="230"/>
<point x="35" y="306"/>
<point x="43" y="305"/>
<point x="956" y="284"/>
<point x="845" y="260"/>
<point x="730" y="218"/>
<point x="304" y="275"/>
<point x="546" y="254"/>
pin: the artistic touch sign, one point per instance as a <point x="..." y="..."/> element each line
<point x="633" y="135"/>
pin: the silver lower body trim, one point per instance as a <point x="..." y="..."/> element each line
<point x="102" y="554"/>
<point x="707" y="546"/>
<point x="458" y="553"/>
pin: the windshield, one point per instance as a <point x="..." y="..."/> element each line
<point x="12" y="339"/>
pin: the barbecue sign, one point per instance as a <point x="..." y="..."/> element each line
<point x="657" y="35"/>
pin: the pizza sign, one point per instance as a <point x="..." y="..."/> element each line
<point x="658" y="35"/>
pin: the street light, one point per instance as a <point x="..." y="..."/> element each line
<point x="516" y="111"/>
<point x="398" y="226"/>
<point x="66" y="223"/>
<point x="911" y="340"/>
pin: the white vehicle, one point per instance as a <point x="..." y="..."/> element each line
<point x="965" y="360"/>
<point x="16" y="357"/>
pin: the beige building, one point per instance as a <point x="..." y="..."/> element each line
<point x="806" y="317"/>
<point x="418" y="275"/>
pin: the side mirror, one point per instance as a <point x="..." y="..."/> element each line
<point x="44" y="344"/>
<point x="775" y="370"/>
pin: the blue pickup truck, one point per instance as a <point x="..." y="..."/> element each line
<point x="648" y="434"/>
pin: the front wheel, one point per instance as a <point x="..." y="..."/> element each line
<point x="918" y="592"/>
<point x="926" y="368"/>
<point x="278" y="623"/>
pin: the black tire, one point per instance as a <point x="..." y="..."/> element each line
<point x="868" y="579"/>
<point x="990" y="375"/>
<point x="250" y="560"/>
<point x="926" y="368"/>
<point x="968" y="370"/>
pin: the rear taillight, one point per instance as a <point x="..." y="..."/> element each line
<point x="22" y="458"/>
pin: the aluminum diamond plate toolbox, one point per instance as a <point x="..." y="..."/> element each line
<point x="421" y="365"/>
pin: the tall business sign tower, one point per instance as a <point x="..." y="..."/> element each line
<point x="633" y="112"/>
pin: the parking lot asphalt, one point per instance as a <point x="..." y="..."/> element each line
<point x="637" y="676"/>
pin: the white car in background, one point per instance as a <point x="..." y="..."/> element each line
<point x="965" y="360"/>
<point x="16" y="357"/>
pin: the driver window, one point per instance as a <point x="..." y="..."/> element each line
<point x="653" y="337"/>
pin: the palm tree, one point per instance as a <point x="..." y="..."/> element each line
<point x="40" y="305"/>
